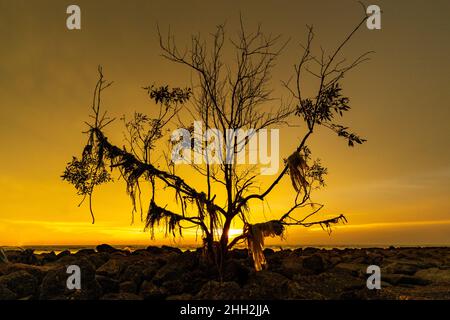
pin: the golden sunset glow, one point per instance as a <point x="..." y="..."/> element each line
<point x="394" y="189"/>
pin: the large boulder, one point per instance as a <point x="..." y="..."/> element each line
<point x="107" y="284"/>
<point x="214" y="290"/>
<point x="408" y="268"/>
<point x="435" y="275"/>
<point x="315" y="264"/>
<point x="26" y="256"/>
<point x="6" y="294"/>
<point x="21" y="283"/>
<point x="106" y="248"/>
<point x="150" y="291"/>
<point x="112" y="268"/>
<point x="266" y="285"/>
<point x="236" y="270"/>
<point x="37" y="272"/>
<point x="54" y="284"/>
<point x="176" y="266"/>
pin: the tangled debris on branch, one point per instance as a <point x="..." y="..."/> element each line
<point x="255" y="239"/>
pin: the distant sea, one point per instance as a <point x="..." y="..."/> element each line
<point x="38" y="249"/>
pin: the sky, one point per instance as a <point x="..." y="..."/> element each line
<point x="394" y="189"/>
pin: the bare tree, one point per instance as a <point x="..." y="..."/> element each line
<point x="223" y="96"/>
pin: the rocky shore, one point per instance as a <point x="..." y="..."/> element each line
<point x="168" y="273"/>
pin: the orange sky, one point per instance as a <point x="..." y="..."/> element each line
<point x="393" y="190"/>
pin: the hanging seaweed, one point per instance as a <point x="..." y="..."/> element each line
<point x="255" y="234"/>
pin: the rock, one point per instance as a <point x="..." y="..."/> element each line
<point x="434" y="275"/>
<point x="171" y="249"/>
<point x="108" y="285"/>
<point x="62" y="254"/>
<point x="154" y="250"/>
<point x="314" y="263"/>
<point x="6" y="294"/>
<point x="26" y="256"/>
<point x="84" y="252"/>
<point x="134" y="272"/>
<point x="290" y="267"/>
<point x="184" y="296"/>
<point x="150" y="291"/>
<point x="112" y="268"/>
<point x="150" y="270"/>
<point x="235" y="270"/>
<point x="128" y="286"/>
<point x="309" y="251"/>
<point x="54" y="284"/>
<point x="399" y="279"/>
<point x="265" y="285"/>
<point x="354" y="269"/>
<point x="37" y="272"/>
<point x="20" y="282"/>
<point x="140" y="252"/>
<point x="3" y="257"/>
<point x="121" y="296"/>
<point x="373" y="259"/>
<point x="175" y="267"/>
<point x="239" y="254"/>
<point x="98" y="259"/>
<point x="401" y="268"/>
<point x="295" y="291"/>
<point x="214" y="290"/>
<point x="106" y="248"/>
<point x="49" y="257"/>
<point x="329" y="284"/>
<point x="174" y="287"/>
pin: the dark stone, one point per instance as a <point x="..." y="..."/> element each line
<point x="173" y="287"/>
<point x="98" y="259"/>
<point x="121" y="296"/>
<point x="133" y="272"/>
<point x="62" y="254"/>
<point x="26" y="256"/>
<point x="20" y="282"/>
<point x="239" y="254"/>
<point x="108" y="285"/>
<point x="214" y="290"/>
<point x="175" y="267"/>
<point x="128" y="286"/>
<point x="236" y="271"/>
<point x="49" y="257"/>
<point x="54" y="284"/>
<point x="150" y="270"/>
<point x="6" y="294"/>
<point x="105" y="248"/>
<point x="314" y="263"/>
<point x="85" y="252"/>
<point x="37" y="272"/>
<point x="402" y="268"/>
<point x="154" y="250"/>
<point x="171" y="249"/>
<point x="309" y="251"/>
<point x="397" y="279"/>
<point x="140" y="252"/>
<point x="266" y="285"/>
<point x="150" y="291"/>
<point x="112" y="268"/>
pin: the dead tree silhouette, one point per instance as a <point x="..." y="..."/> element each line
<point x="225" y="97"/>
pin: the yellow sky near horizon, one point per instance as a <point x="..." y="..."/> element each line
<point x="393" y="189"/>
